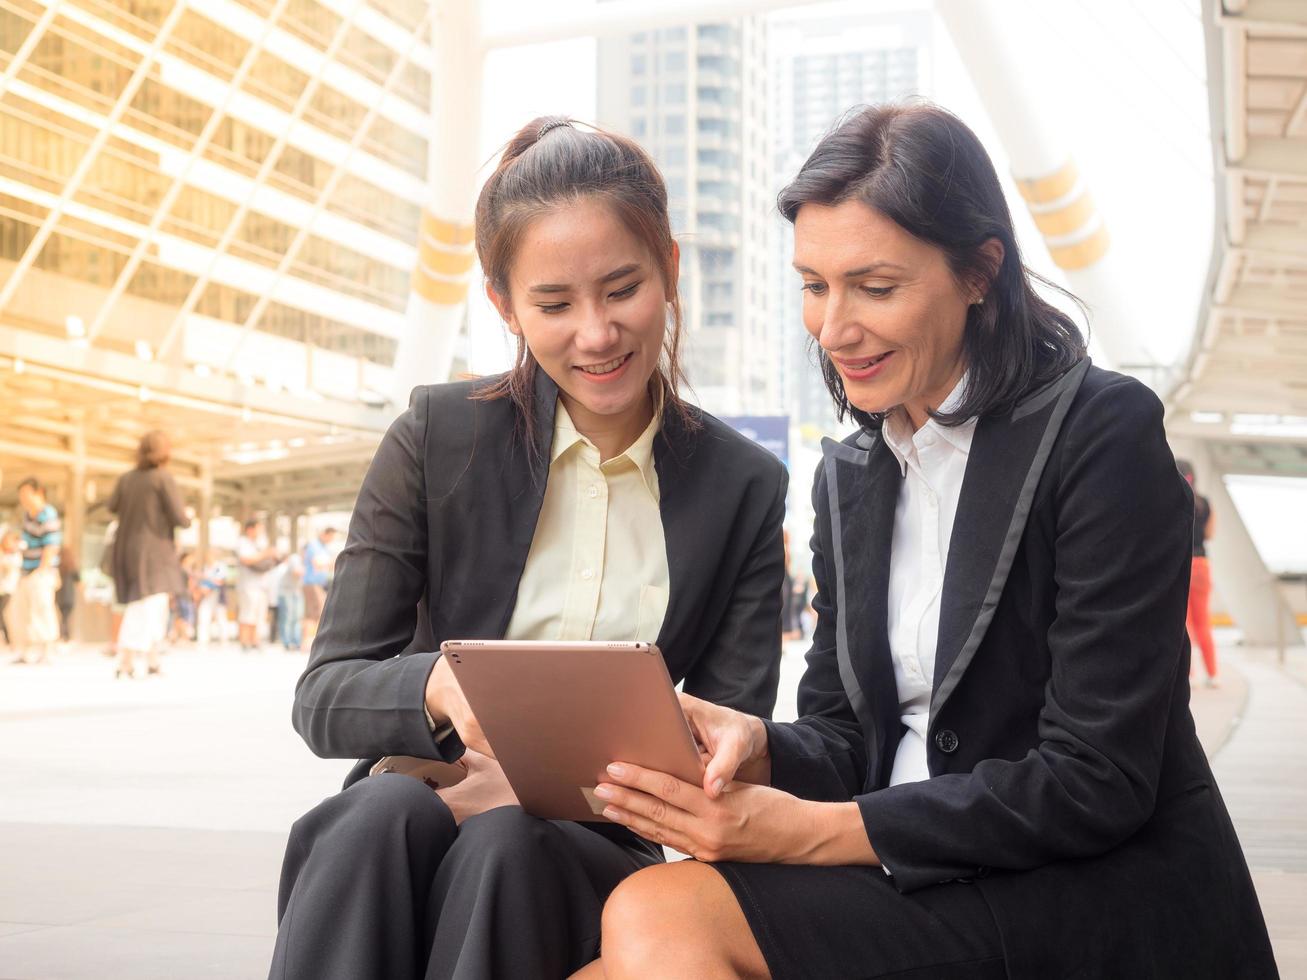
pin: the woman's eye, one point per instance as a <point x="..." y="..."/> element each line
<point x="552" y="307"/>
<point x="624" y="292"/>
<point x="816" y="288"/>
<point x="878" y="291"/>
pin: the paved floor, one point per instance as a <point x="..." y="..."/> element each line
<point x="142" y="822"/>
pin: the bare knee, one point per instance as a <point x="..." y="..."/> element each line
<point x="668" y="920"/>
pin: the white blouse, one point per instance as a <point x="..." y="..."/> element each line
<point x="933" y="461"/>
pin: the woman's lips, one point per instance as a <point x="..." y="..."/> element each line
<point x="862" y="369"/>
<point x="606" y="371"/>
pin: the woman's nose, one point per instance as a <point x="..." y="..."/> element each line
<point x="596" y="332"/>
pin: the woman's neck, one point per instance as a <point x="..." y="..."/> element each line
<point x="611" y="434"/>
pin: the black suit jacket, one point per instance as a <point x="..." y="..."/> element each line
<point x="1067" y="778"/>
<point x="440" y="535"/>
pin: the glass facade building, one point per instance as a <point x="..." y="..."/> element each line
<point x="230" y="186"/>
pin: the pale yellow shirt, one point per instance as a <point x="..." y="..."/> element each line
<point x="597" y="568"/>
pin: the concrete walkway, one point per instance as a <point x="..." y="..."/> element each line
<point x="142" y="823"/>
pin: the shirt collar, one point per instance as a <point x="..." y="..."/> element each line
<point x="640" y="453"/>
<point x="902" y="441"/>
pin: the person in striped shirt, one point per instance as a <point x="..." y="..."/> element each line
<point x="33" y="617"/>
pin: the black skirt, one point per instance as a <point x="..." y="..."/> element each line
<point x="819" y="923"/>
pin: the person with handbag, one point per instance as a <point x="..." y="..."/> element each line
<point x="146" y="570"/>
<point x="254" y="559"/>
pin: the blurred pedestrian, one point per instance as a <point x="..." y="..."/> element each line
<point x="318" y="562"/>
<point x="290" y="602"/>
<point x="1198" y="621"/>
<point x="209" y="610"/>
<point x="255" y="558"/>
<point x="789" y="618"/>
<point x="146" y="570"/>
<point x="11" y="570"/>
<point x="33" y="617"/>
<point x="65" y="597"/>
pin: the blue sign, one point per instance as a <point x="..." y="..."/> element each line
<point x="772" y="432"/>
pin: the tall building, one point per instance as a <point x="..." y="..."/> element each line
<point x="208" y="219"/>
<point x="821" y="67"/>
<point x="229" y="183"/>
<point x="697" y="97"/>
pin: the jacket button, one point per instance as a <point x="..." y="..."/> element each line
<point x="946" y="742"/>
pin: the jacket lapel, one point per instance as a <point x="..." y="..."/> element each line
<point x="685" y="526"/>
<point x="1007" y="459"/>
<point x="862" y="486"/>
<point x="524" y="473"/>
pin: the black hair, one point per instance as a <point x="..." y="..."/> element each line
<point x="921" y="167"/>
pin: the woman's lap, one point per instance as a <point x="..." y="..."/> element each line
<point x="851" y="922"/>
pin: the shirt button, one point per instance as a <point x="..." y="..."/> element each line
<point x="593" y="491"/>
<point x="927" y="439"/>
<point x="587" y="574"/>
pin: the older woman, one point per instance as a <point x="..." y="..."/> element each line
<point x="146" y="569"/>
<point x="996" y="772"/>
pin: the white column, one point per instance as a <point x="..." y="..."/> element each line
<point x="1245" y="584"/>
<point x="1006" y="76"/>
<point x="438" y="300"/>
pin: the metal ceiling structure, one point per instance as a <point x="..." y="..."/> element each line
<point x="1245" y="390"/>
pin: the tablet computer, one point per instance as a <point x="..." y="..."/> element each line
<point x="556" y="714"/>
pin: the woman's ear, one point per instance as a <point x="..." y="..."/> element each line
<point x="991" y="252"/>
<point x="504" y="307"/>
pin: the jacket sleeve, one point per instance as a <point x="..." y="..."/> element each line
<point x="174" y="507"/>
<point x="358" y="698"/>
<point x="1121" y="565"/>
<point x="740" y="666"/>
<point x="821" y="756"/>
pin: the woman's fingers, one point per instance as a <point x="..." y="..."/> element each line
<point x="664" y="789"/>
<point x="726" y="761"/>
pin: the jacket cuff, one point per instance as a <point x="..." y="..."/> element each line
<point x="420" y="738"/>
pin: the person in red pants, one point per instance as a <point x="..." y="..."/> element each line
<point x="1199" y="620"/>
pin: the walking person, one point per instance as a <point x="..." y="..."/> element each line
<point x="147" y="571"/>
<point x="11" y="570"/>
<point x="995" y="772"/>
<point x="254" y="559"/>
<point x="318" y="561"/>
<point x="290" y="602"/>
<point x="33" y="615"/>
<point x="65" y="597"/>
<point x="209" y="611"/>
<point x="577" y="497"/>
<point x="1198" y="618"/>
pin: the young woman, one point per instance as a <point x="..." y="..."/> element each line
<point x="576" y="497"/>
<point x="995" y="772"/>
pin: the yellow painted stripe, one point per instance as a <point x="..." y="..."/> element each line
<point x="1082" y="254"/>
<point x="448" y="232"/>
<point x="1041" y="190"/>
<point x="1224" y="619"/>
<point x="438" y="291"/>
<point x="443" y="262"/>
<point x="1067" y="219"/>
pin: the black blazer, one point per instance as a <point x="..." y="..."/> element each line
<point x="445" y="519"/>
<point x="1067" y="778"/>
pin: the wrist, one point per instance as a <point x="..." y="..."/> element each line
<point x="756" y="767"/>
<point x="833" y="833"/>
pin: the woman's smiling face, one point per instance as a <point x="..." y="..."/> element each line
<point x="589" y="301"/>
<point x="884" y="306"/>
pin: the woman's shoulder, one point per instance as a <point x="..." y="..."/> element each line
<point x="1113" y="398"/>
<point x="452" y="406"/>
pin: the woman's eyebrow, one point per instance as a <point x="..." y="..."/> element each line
<point x="618" y="273"/>
<point x="855" y="273"/>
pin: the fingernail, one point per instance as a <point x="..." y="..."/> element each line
<point x="610" y="813"/>
<point x="617" y="770"/>
<point x="718" y="785"/>
<point x="603" y="792"/>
